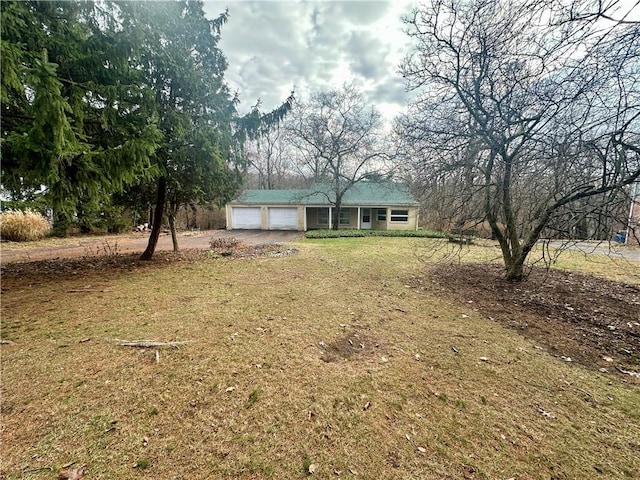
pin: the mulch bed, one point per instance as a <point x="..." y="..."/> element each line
<point x="591" y="321"/>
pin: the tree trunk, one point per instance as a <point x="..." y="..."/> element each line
<point x="61" y="224"/>
<point x="335" y="221"/>
<point x="157" y="219"/>
<point x="83" y="221"/>
<point x="515" y="269"/>
<point x="172" y="227"/>
<point x="194" y="223"/>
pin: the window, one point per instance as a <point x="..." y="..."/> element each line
<point x="323" y="216"/>
<point x="345" y="216"/>
<point x="382" y="214"/>
<point x="400" y="216"/>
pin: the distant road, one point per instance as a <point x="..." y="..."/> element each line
<point x="599" y="248"/>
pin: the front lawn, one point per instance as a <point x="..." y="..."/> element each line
<point x="347" y="359"/>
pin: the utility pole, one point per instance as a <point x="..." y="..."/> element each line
<point x="634" y="217"/>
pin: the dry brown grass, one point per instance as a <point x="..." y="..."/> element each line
<point x="23" y="226"/>
<point x="607" y="266"/>
<point x="271" y="384"/>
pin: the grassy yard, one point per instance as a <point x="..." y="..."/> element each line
<point x="331" y="363"/>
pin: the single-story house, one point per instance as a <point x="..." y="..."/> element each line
<point x="366" y="205"/>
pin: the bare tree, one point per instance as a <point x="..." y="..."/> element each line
<point x="341" y="141"/>
<point x="269" y="156"/>
<point x="307" y="159"/>
<point x="532" y="107"/>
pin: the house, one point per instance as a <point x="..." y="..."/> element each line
<point x="366" y="205"/>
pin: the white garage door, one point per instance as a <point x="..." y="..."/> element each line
<point x="246" y="218"/>
<point x="281" y="218"/>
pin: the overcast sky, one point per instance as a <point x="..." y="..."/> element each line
<point x="276" y="46"/>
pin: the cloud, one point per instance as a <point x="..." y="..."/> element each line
<point x="366" y="54"/>
<point x="391" y="89"/>
<point x="363" y="12"/>
<point x="272" y="46"/>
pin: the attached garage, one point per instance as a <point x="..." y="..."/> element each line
<point x="246" y="218"/>
<point x="283" y="218"/>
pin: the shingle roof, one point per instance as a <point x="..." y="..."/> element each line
<point x="360" y="194"/>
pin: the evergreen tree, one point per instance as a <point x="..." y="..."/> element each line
<point x="198" y="157"/>
<point x="109" y="97"/>
<point x="72" y="121"/>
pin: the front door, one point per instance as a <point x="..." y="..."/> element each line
<point x="365" y="219"/>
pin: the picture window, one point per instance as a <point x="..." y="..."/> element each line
<point x="400" y="216"/>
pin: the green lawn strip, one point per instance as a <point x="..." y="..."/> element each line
<point x="374" y="233"/>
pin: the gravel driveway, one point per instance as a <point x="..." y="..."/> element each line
<point x="132" y="243"/>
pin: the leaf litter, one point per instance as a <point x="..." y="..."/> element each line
<point x="599" y="330"/>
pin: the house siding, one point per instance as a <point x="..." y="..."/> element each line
<point x="410" y="224"/>
<point x="312" y="219"/>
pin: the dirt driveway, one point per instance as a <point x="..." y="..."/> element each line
<point x="131" y="243"/>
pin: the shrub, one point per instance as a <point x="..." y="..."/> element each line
<point x="374" y="233"/>
<point x="224" y="243"/>
<point x="115" y="219"/>
<point x="23" y="226"/>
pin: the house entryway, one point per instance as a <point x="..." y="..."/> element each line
<point x="365" y="219"/>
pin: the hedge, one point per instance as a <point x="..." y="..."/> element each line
<point x="374" y="233"/>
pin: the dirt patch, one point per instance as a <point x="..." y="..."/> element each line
<point x="347" y="346"/>
<point x="579" y="318"/>
<point x="231" y="247"/>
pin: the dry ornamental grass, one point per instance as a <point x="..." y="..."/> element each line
<point x="23" y="226"/>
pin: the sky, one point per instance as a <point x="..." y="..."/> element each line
<point x="274" y="47"/>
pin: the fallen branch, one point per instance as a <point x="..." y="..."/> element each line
<point x="148" y="343"/>
<point x="36" y="470"/>
<point x="88" y="290"/>
<point x="628" y="372"/>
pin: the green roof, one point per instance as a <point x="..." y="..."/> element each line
<point x="360" y="194"/>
